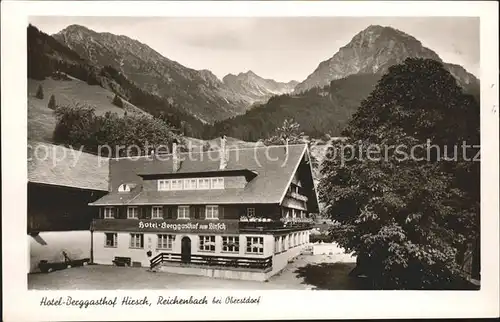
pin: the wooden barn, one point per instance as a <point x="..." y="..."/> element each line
<point x="61" y="183"/>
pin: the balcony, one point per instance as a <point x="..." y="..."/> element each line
<point x="266" y="225"/>
<point x="297" y="196"/>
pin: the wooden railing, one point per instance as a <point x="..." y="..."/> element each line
<point x="274" y="226"/>
<point x="214" y="261"/>
<point x="297" y="196"/>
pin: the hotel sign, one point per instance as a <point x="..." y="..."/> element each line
<point x="167" y="225"/>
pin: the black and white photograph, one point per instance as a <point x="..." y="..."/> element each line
<point x="253" y="153"/>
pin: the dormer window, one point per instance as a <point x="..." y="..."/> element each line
<point x="204" y="183"/>
<point x="176" y="184"/>
<point x="190" y="184"/>
<point x="126" y="187"/>
<point x="217" y="183"/>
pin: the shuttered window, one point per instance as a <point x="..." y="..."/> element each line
<point x="183" y="212"/>
<point x="157" y="212"/>
<point x="212" y="212"/>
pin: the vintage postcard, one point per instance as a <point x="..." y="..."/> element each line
<point x="253" y="160"/>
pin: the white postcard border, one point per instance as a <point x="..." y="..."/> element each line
<point x="23" y="305"/>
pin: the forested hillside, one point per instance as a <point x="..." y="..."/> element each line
<point x="46" y="56"/>
<point x="318" y="111"/>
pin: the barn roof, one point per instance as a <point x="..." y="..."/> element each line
<point x="272" y="167"/>
<point x="60" y="166"/>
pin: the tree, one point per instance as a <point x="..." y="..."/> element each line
<point x="75" y="126"/>
<point x="39" y="92"/>
<point x="407" y="217"/>
<point x="52" y="102"/>
<point x="289" y="132"/>
<point x="206" y="147"/>
<point x="117" y="101"/>
<point x="110" y="134"/>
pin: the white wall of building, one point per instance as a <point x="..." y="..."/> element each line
<point x="50" y="245"/>
<point x="105" y="255"/>
<point x="334" y="250"/>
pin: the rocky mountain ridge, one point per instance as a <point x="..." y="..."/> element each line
<point x="199" y="92"/>
<point x="373" y="51"/>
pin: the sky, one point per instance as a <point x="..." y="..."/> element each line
<point x="281" y="48"/>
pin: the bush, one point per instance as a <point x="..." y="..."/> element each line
<point x="78" y="126"/>
<point x="320" y="238"/>
<point x="39" y="92"/>
<point x="52" y="102"/>
<point x="117" y="101"/>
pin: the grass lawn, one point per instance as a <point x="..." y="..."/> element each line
<point x="321" y="272"/>
<point x="41" y="119"/>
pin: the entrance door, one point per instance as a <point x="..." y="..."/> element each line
<point x="186" y="250"/>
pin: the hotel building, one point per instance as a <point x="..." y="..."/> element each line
<point x="230" y="213"/>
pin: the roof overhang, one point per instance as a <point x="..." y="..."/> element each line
<point x="249" y="174"/>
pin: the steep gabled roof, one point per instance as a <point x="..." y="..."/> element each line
<point x="60" y="166"/>
<point x="273" y="166"/>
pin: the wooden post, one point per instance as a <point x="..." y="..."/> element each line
<point x="91" y="244"/>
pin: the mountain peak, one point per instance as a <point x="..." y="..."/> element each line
<point x="371" y="51"/>
<point x="248" y="73"/>
<point x="256" y="88"/>
<point x="74" y="28"/>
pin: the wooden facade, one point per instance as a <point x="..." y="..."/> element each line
<point x="59" y="208"/>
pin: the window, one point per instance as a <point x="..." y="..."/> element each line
<point x="183" y="212"/>
<point x="111" y="239"/>
<point x="165" y="241"/>
<point x="207" y="243"/>
<point x="190" y="184"/>
<point x="289" y="241"/>
<point x="255" y="245"/>
<point x="132" y="213"/>
<point x="109" y="212"/>
<point x="283" y="243"/>
<point x="176" y="184"/>
<point x="212" y="212"/>
<point x="217" y="183"/>
<point x="230" y="244"/>
<point x="203" y="183"/>
<point x="277" y="244"/>
<point x="124" y="188"/>
<point x="157" y="212"/>
<point x="294" y="214"/>
<point x="136" y="240"/>
<point x="250" y="212"/>
<point x="163" y="185"/>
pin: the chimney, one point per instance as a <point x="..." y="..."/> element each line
<point x="175" y="157"/>
<point x="222" y="153"/>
